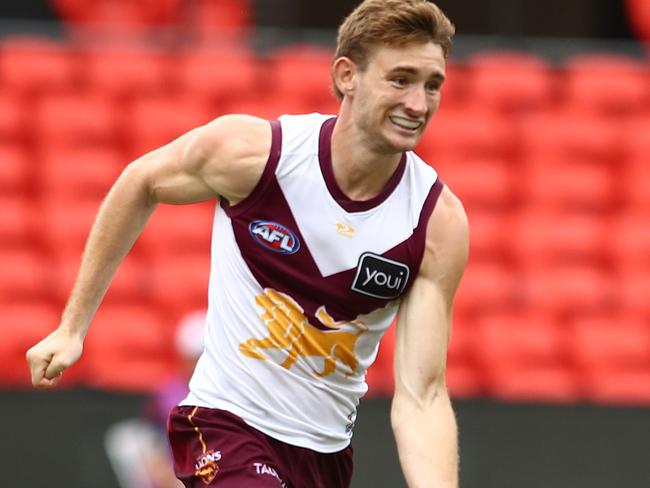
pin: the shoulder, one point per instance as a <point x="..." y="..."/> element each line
<point x="232" y="135"/>
<point x="233" y="151"/>
<point x="447" y="239"/>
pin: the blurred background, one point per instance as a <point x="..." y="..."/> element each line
<point x="544" y="133"/>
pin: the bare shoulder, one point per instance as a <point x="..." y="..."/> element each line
<point x="233" y="150"/>
<point x="447" y="240"/>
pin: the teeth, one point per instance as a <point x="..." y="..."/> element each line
<point x="405" y="123"/>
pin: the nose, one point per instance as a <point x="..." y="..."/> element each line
<point x="416" y="101"/>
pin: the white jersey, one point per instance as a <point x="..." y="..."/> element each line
<point x="304" y="283"/>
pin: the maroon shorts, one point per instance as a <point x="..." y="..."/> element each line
<point x="216" y="448"/>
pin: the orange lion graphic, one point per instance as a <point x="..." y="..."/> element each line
<point x="290" y="330"/>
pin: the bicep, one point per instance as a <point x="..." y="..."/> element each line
<point x="224" y="158"/>
<point x="423" y="330"/>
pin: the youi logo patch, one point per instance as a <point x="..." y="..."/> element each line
<point x="380" y="277"/>
<point x="273" y="236"/>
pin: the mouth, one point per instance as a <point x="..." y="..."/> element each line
<point x="404" y="123"/>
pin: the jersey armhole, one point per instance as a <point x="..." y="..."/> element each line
<point x="420" y="232"/>
<point x="267" y="175"/>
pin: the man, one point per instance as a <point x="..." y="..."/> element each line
<point x="326" y="225"/>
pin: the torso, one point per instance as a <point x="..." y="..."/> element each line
<point x="304" y="283"/>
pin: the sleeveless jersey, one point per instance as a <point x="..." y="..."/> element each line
<point x="304" y="282"/>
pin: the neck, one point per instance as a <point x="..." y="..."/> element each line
<point x="360" y="170"/>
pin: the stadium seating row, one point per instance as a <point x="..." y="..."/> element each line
<point x="505" y="82"/>
<point x="511" y="356"/>
<point x="550" y="161"/>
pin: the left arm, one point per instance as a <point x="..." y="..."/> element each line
<point x="422" y="417"/>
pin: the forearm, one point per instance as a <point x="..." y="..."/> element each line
<point x="427" y="440"/>
<point x="119" y="222"/>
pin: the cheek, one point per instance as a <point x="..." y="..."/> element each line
<point x="434" y="103"/>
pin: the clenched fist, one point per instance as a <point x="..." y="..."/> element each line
<point x="52" y="355"/>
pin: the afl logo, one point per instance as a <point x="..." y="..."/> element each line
<point x="273" y="236"/>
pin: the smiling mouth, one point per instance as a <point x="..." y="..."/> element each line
<point x="404" y="123"/>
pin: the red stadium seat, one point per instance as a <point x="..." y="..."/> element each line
<point x="111" y="12"/>
<point x="634" y="140"/>
<point x="512" y="340"/>
<point x="304" y="73"/>
<point x="486" y="286"/>
<point x="461" y="133"/>
<point x="18" y="222"/>
<point x="607" y="342"/>
<point x="22" y="324"/>
<point x="66" y="225"/>
<point x="635" y="183"/>
<point x="463" y="343"/>
<point x="78" y="120"/>
<point x="539" y="238"/>
<point x="129" y="348"/>
<point x="568" y="185"/>
<point x="127" y="72"/>
<point x="181" y="285"/>
<point x="31" y="65"/>
<point x="178" y="229"/>
<point x="535" y="383"/>
<point x="509" y="81"/>
<point x="222" y="20"/>
<point x="23" y="277"/>
<point x="15" y="171"/>
<point x="224" y="77"/>
<point x="124" y="23"/>
<point x="522" y="355"/>
<point x="464" y="380"/>
<point x="154" y="122"/>
<point x="480" y="182"/>
<point x="455" y="89"/>
<point x="620" y="387"/>
<point x="568" y="289"/>
<point x="13" y="119"/>
<point x="632" y="289"/>
<point x="570" y="135"/>
<point x="80" y="173"/>
<point x="628" y="240"/>
<point x="607" y="83"/>
<point x="464" y="377"/>
<point x="489" y="233"/>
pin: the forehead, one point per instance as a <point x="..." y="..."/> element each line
<point x="427" y="58"/>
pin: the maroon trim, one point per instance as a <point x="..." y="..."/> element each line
<point x="418" y="240"/>
<point x="267" y="175"/>
<point x="325" y="159"/>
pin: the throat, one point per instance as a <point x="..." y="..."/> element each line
<point x="363" y="182"/>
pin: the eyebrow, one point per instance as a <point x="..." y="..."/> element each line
<point x="411" y="70"/>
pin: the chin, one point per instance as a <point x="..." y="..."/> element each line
<point x="403" y="144"/>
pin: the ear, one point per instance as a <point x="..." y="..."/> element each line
<point x="344" y="74"/>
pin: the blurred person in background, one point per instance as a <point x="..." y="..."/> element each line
<point x="137" y="448"/>
<point x="326" y="226"/>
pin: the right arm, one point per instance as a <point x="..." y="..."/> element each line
<point x="224" y="158"/>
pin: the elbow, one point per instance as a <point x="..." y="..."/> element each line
<point x="408" y="400"/>
<point x="136" y="178"/>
